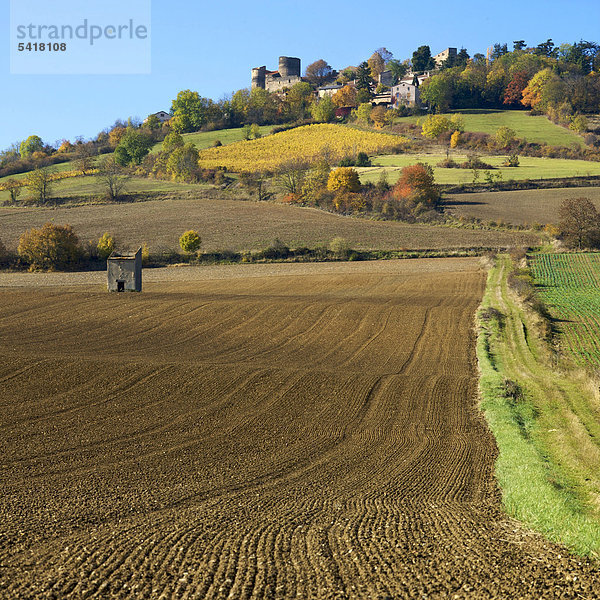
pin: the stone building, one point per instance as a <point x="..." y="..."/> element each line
<point x="125" y="271"/>
<point x="274" y="81"/>
<point x="443" y="55"/>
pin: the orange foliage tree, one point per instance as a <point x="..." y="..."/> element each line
<point x="416" y="186"/>
<point x="345" y="96"/>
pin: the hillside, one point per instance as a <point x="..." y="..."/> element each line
<point x="538" y="129"/>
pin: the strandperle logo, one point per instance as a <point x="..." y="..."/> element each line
<point x="85" y="31"/>
<point x="75" y="37"/>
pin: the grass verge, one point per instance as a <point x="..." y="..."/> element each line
<point x="542" y="420"/>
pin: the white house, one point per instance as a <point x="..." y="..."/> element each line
<point x="161" y="115"/>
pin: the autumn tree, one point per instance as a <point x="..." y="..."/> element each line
<point x="345" y="96"/>
<point x="318" y="73"/>
<point x="53" y="247"/>
<point x="580" y="223"/>
<point x="416" y="187"/>
<point x="378" y="116"/>
<point x="363" y="112"/>
<point x="533" y="93"/>
<point x="514" y="90"/>
<point x="39" y="184"/>
<point x="504" y="136"/>
<point x="376" y="65"/>
<point x="172" y="141"/>
<point x="343" y="178"/>
<point x="190" y="241"/>
<point x="299" y="99"/>
<point x="105" y="246"/>
<point x="434" y="125"/>
<point x="32" y="144"/>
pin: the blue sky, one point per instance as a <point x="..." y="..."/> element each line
<point x="211" y="47"/>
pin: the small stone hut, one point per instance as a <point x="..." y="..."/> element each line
<point x="125" y="271"/>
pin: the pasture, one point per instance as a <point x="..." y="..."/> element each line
<point x="310" y="436"/>
<point x="206" y="139"/>
<point x="538" y="129"/>
<point x="529" y="168"/>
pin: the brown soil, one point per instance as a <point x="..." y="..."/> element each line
<point x="242" y="225"/>
<point x="519" y="207"/>
<point x="300" y="436"/>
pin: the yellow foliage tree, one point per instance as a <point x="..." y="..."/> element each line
<point x="455" y="139"/>
<point x="343" y="178"/>
<point x="434" y="125"/>
<point x="345" y="96"/>
<point x="532" y="94"/>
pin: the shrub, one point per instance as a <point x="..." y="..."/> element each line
<point x="343" y="178"/>
<point x="217" y="143"/>
<point x="511" y="161"/>
<point x="53" y="247"/>
<point x="455" y="139"/>
<point x="190" y="241"/>
<point x="362" y="160"/>
<point x="340" y="247"/>
<point x="105" y="247"/>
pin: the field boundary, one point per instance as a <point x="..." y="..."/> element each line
<point x="535" y="413"/>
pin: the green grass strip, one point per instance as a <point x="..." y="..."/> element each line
<point x="541" y="483"/>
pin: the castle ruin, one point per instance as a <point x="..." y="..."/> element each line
<point x="274" y="81"/>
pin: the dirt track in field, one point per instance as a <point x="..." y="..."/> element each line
<point x="299" y="436"/>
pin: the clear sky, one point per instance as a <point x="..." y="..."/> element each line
<point x="211" y="47"/>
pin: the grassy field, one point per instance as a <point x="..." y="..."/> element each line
<point x="536" y="129"/>
<point x="232" y="224"/>
<point x="545" y="421"/>
<point x="206" y="139"/>
<point x="529" y="168"/>
<point x="89" y="187"/>
<point x="569" y="284"/>
<point x="520" y="207"/>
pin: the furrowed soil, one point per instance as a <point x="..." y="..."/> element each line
<point x="304" y="435"/>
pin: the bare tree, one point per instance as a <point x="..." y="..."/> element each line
<point x="113" y="177"/>
<point x="580" y="223"/>
<point x="84" y="158"/>
<point x="290" y="176"/>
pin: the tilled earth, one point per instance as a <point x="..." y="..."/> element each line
<point x="306" y="436"/>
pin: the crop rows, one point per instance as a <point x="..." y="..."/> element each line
<point x="569" y="285"/>
<point x="294" y="436"/>
<point x="305" y="144"/>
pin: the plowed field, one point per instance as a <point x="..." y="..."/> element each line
<point x="311" y="436"/>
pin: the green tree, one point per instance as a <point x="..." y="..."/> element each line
<point x="299" y="99"/>
<point x="152" y="122"/>
<point x="398" y="69"/>
<point x="14" y="188"/>
<point x="191" y="111"/>
<point x="504" y="136"/>
<point x="323" y="111"/>
<point x="133" y="147"/>
<point x="255" y="131"/>
<point x="363" y="112"/>
<point x="364" y="80"/>
<point x="39" y="183"/>
<point x="182" y="164"/>
<point x="173" y="141"/>
<point x="438" y="92"/>
<point x="190" y="241"/>
<point x="32" y="144"/>
<point x="53" y="247"/>
<point x="422" y="60"/>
